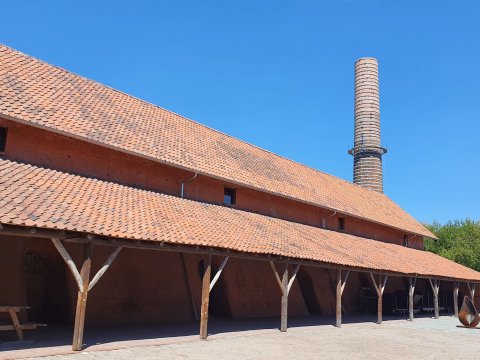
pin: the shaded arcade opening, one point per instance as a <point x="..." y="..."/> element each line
<point x="157" y="294"/>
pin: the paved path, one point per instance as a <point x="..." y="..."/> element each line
<point x="395" y="339"/>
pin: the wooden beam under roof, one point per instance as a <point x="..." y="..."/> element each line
<point x="79" y="237"/>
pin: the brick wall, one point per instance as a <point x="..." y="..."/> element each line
<point x="145" y="286"/>
<point x="141" y="286"/>
<point x="51" y="150"/>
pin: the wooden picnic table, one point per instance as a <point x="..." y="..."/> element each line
<point x="16" y="325"/>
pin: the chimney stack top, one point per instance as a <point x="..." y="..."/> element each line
<point x="367" y="150"/>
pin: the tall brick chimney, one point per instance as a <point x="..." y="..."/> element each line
<point x="367" y="150"/>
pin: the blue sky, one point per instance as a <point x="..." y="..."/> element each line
<point x="279" y="74"/>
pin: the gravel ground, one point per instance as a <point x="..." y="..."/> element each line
<point x="395" y="339"/>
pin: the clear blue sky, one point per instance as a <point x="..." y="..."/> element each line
<point x="279" y="74"/>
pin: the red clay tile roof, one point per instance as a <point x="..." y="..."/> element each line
<point x="33" y="196"/>
<point x="46" y="96"/>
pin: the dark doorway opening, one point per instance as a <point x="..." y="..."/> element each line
<point x="46" y="289"/>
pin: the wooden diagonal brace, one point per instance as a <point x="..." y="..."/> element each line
<point x="375" y="284"/>
<point x="280" y="281"/>
<point x="219" y="272"/>
<point x="344" y="282"/>
<point x="277" y="277"/>
<point x="292" y="279"/>
<point x="73" y="269"/>
<point x="68" y="260"/>
<point x="471" y="289"/>
<point x="380" y="286"/>
<point x="384" y="283"/>
<point x="104" y="268"/>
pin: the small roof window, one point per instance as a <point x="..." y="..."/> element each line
<point x="229" y="196"/>
<point x="3" y="139"/>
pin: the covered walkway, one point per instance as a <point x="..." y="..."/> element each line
<point x="77" y="214"/>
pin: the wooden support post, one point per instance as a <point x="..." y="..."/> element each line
<point x="205" y="297"/>
<point x="435" y="284"/>
<point x="285" y="285"/>
<point x="435" y="298"/>
<point x="284" y="315"/>
<point x="455" y="299"/>
<point x="338" y="308"/>
<point x="411" y="291"/>
<point x="82" y="300"/>
<point x="379" y="302"/>
<point x="340" y="286"/>
<point x="379" y="288"/>
<point x="82" y="279"/>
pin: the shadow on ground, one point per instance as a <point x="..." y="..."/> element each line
<point x="61" y="336"/>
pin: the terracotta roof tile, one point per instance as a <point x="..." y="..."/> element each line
<point x="47" y="96"/>
<point x="33" y="196"/>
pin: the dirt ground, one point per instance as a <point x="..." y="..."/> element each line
<point x="425" y="338"/>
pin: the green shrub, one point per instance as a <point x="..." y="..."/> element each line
<point x="458" y="241"/>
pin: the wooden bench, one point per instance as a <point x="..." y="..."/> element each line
<point x="15" y="325"/>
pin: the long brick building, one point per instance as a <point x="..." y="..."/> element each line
<point x="147" y="211"/>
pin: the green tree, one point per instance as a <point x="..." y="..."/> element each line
<point x="458" y="241"/>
